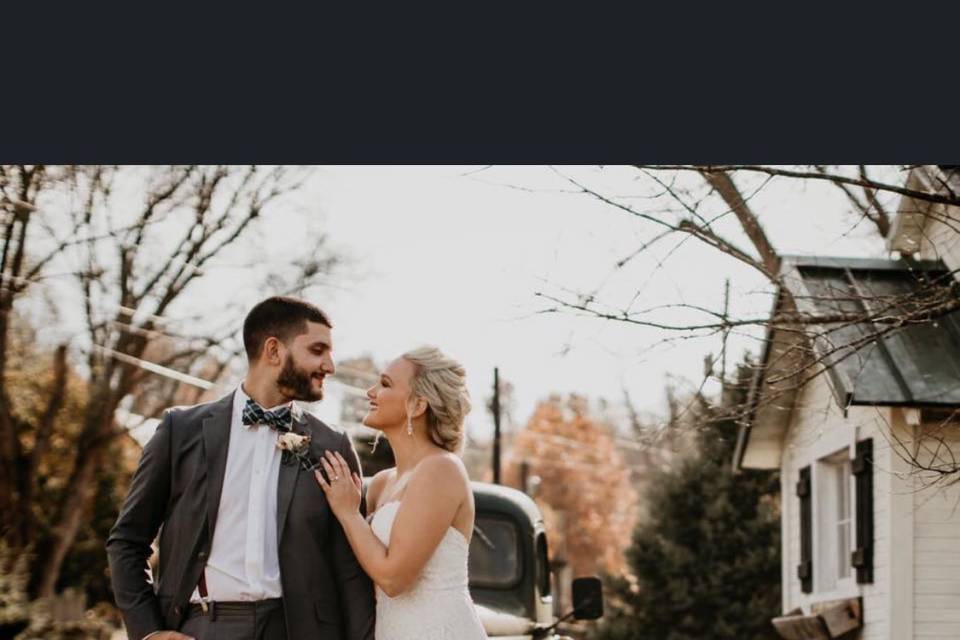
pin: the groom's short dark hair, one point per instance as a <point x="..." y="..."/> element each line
<point x="282" y="317"/>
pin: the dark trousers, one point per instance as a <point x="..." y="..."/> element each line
<point x="254" y="621"/>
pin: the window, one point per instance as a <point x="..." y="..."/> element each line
<point x="833" y="515"/>
<point x="494" y="553"/>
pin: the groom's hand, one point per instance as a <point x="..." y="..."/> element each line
<point x="168" y="635"/>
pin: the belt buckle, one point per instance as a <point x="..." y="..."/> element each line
<point x="208" y="607"/>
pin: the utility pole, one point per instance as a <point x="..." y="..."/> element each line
<point x="496" y="425"/>
<point x="726" y="334"/>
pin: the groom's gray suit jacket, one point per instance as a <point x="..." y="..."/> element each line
<point x="176" y="491"/>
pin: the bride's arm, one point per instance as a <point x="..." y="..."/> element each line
<point x="430" y="502"/>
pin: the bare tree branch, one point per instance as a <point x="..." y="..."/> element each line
<point x="924" y="196"/>
<point x="724" y="185"/>
<point x="880" y="216"/>
<point x="847" y="325"/>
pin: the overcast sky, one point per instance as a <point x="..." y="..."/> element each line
<point x="454" y="257"/>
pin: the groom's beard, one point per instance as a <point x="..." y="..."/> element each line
<point x="297" y="383"/>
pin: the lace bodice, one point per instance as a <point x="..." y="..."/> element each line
<point x="438" y="605"/>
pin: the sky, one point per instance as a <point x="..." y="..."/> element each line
<point x="455" y="256"/>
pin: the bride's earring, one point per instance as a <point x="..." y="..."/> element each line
<point x="409" y="427"/>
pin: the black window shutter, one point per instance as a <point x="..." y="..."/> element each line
<point x="805" y="568"/>
<point x="862" y="557"/>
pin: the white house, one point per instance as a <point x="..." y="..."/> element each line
<point x="860" y="418"/>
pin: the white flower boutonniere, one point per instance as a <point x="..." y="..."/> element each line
<point x="296" y="449"/>
<point x="291" y="441"/>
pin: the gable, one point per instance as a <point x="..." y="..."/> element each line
<point x="877" y="335"/>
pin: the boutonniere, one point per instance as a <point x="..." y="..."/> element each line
<point x="296" y="450"/>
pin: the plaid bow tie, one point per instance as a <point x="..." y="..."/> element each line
<point x="278" y="419"/>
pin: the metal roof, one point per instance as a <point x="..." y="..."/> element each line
<point x="915" y="365"/>
<point x="912" y="365"/>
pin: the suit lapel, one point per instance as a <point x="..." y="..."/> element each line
<point x="288" y="476"/>
<point x="216" y="440"/>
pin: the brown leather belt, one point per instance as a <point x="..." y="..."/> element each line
<point x="214" y="608"/>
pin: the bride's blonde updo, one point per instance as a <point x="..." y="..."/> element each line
<point x="441" y="381"/>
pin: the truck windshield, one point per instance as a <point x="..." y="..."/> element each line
<point x="494" y="553"/>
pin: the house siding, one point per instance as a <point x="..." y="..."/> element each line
<point x="940" y="239"/>
<point x="916" y="589"/>
<point x="936" y="509"/>
<point x="936" y="519"/>
<point x="816" y="428"/>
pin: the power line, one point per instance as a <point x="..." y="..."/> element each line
<point x="158" y="369"/>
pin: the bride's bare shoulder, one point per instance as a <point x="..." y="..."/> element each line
<point x="441" y="467"/>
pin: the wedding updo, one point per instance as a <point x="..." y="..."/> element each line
<point x="441" y="381"/>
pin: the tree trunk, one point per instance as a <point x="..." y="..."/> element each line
<point x="11" y="267"/>
<point x="8" y="436"/>
<point x="725" y="186"/>
<point x="95" y="438"/>
<point x="57" y="397"/>
<point x="83" y="488"/>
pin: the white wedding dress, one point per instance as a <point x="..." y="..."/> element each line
<point x="438" y="605"/>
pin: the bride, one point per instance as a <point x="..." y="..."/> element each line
<point x="416" y="542"/>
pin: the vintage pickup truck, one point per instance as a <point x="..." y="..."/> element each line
<point x="510" y="579"/>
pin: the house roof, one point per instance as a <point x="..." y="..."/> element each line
<point x="908" y="227"/>
<point x="867" y="362"/>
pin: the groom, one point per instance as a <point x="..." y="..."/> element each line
<point x="249" y="549"/>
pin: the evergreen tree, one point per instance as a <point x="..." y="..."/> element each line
<point x="706" y="562"/>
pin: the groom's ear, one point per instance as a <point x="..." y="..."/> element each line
<point x="272" y="352"/>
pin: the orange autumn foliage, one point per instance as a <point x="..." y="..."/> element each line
<point x="584" y="485"/>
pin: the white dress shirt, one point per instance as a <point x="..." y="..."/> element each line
<point x="243" y="564"/>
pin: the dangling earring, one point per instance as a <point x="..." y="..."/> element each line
<point x="409" y="427"/>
